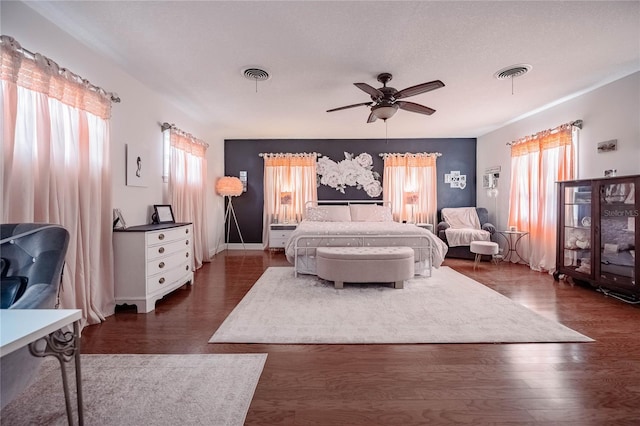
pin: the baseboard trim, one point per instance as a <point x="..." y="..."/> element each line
<point x="236" y="246"/>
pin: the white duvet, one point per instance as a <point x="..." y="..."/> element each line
<point x="439" y="248"/>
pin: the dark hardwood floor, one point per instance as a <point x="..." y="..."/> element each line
<point x="554" y="383"/>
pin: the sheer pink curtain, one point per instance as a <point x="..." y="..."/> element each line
<point x="410" y="184"/>
<point x="537" y="163"/>
<point x="56" y="169"/>
<point x="287" y="173"/>
<point x="187" y="188"/>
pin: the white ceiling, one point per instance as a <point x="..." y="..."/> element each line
<point x="314" y="50"/>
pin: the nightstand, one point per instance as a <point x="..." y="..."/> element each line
<point x="279" y="233"/>
<point x="427" y="226"/>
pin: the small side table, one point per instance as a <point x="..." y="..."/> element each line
<point x="513" y="238"/>
<point x="279" y="234"/>
<point x="427" y="226"/>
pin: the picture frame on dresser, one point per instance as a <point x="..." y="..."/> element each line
<point x="118" y="220"/>
<point x="163" y="213"/>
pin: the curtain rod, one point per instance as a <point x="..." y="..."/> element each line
<point x="429" y="154"/>
<point x="166" y="126"/>
<point x="263" y="154"/>
<point x="575" y="123"/>
<point x="61" y="71"/>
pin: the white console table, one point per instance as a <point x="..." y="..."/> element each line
<point x="26" y="327"/>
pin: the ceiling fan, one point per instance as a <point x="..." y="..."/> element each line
<point x="385" y="100"/>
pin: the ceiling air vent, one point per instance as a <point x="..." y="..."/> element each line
<point x="513" y="71"/>
<point x="256" y="74"/>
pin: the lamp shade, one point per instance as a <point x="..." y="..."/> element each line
<point x="411" y="197"/>
<point x="229" y="186"/>
<point x="285" y="198"/>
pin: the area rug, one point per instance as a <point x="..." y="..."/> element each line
<point x="144" y="390"/>
<point x="445" y="308"/>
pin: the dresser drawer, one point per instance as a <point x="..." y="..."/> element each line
<point x="278" y="242"/>
<point x="167" y="278"/>
<point x="168" y="248"/>
<point x="283" y="235"/>
<point x="169" y="262"/>
<point x="167" y="235"/>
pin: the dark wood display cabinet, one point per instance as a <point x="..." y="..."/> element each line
<point x="597" y="233"/>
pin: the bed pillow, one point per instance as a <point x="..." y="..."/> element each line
<point x="370" y="213"/>
<point x="328" y="214"/>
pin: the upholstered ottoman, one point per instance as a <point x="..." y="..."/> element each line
<point x="483" y="248"/>
<point x="365" y="265"/>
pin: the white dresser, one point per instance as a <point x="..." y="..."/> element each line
<point x="151" y="261"/>
<point x="279" y="233"/>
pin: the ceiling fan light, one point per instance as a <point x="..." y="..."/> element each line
<point x="384" y="112"/>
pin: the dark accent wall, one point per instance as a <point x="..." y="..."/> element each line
<point x="242" y="154"/>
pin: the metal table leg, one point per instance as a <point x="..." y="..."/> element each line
<point x="64" y="346"/>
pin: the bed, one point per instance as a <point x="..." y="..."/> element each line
<point x="359" y="223"/>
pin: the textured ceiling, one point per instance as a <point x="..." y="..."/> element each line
<point x="195" y="53"/>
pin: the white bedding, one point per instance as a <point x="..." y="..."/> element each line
<point x="461" y="217"/>
<point x="327" y="229"/>
<point x="464" y="237"/>
<point x="464" y="226"/>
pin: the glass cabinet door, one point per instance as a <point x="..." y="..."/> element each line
<point x="577" y="229"/>
<point x="618" y="217"/>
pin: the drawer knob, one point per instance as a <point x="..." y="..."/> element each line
<point x="161" y="250"/>
<point x="161" y="237"/>
<point x="161" y="280"/>
<point x="186" y="231"/>
<point x="186" y="268"/>
<point x="186" y="254"/>
<point x="186" y="242"/>
<point x="161" y="265"/>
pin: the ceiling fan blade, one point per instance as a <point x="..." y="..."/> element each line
<point x="375" y="93"/>
<point x="419" y="88"/>
<point x="371" y="118"/>
<point x="413" y="107"/>
<point x="350" y="106"/>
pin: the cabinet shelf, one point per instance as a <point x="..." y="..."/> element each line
<point x="586" y="228"/>
<point x="578" y="250"/>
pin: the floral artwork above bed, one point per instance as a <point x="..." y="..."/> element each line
<point x="352" y="171"/>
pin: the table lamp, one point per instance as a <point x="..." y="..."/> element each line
<point x="411" y="198"/>
<point x="285" y="200"/>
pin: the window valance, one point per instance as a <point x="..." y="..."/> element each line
<point x="36" y="72"/>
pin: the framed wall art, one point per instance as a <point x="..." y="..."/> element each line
<point x="607" y="146"/>
<point x="137" y="166"/>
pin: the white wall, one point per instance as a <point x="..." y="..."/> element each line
<point x="609" y="112"/>
<point x="135" y="121"/>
